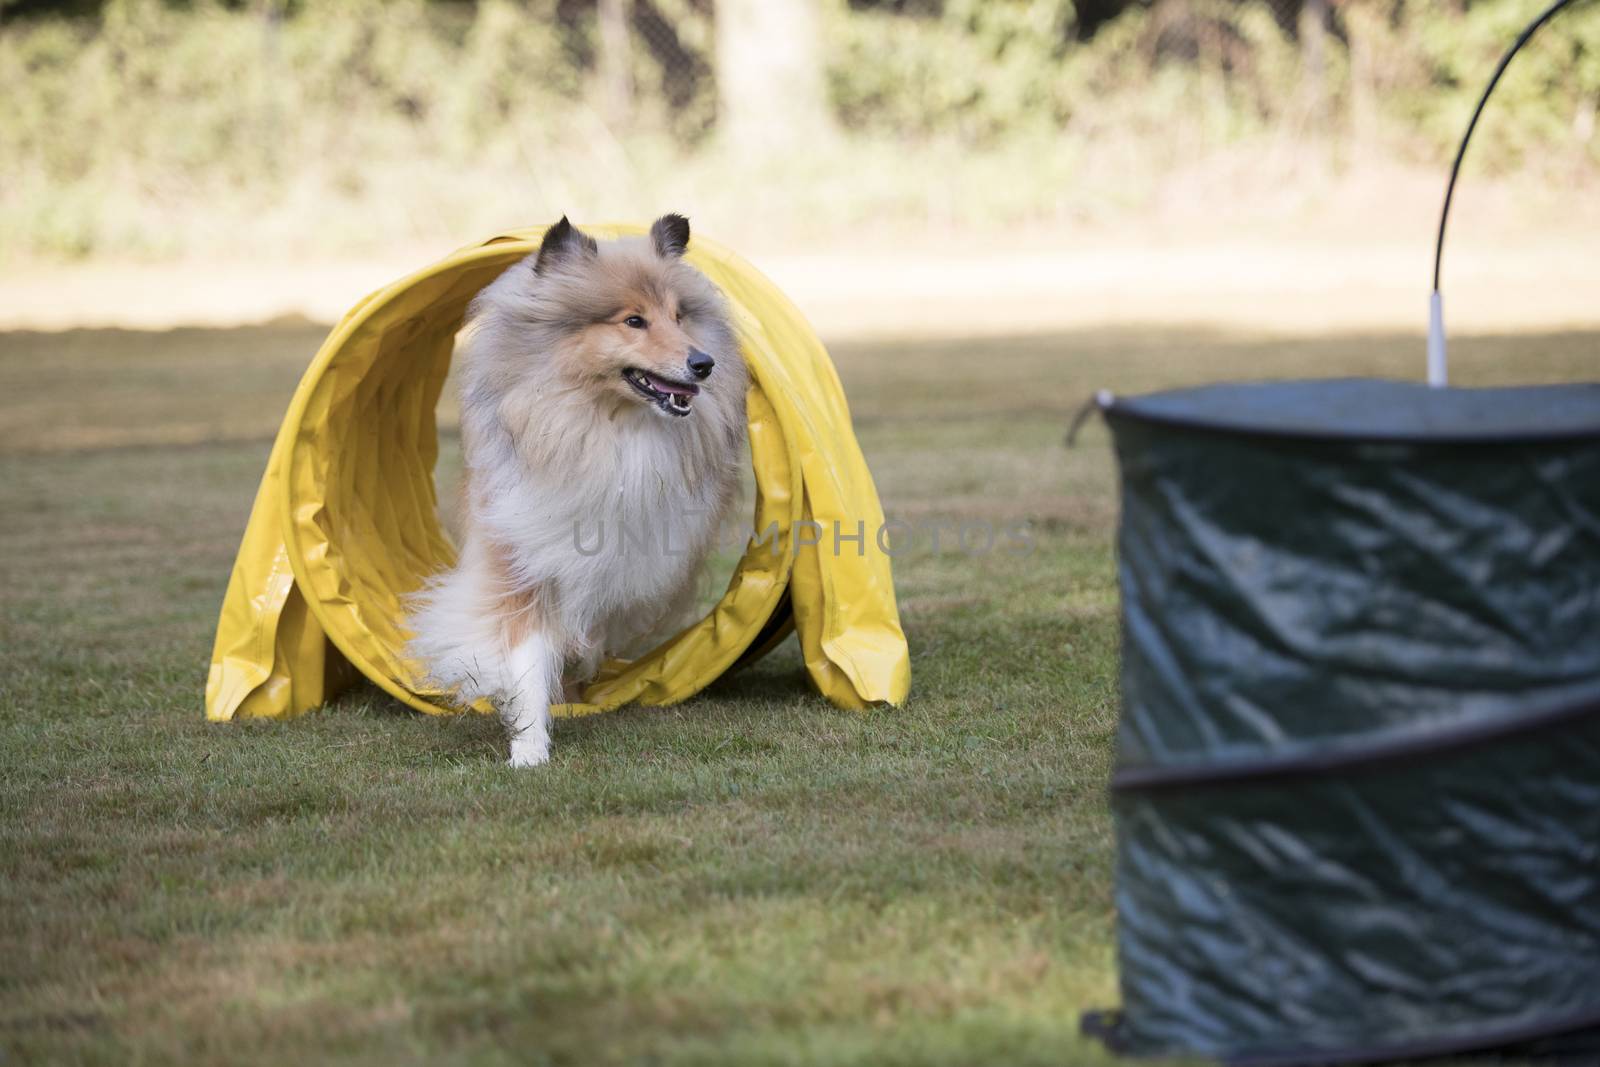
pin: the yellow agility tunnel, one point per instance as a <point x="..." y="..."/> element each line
<point x="345" y="521"/>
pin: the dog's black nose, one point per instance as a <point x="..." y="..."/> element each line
<point x="700" y="363"/>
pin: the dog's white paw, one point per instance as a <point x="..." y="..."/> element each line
<point x="529" y="754"/>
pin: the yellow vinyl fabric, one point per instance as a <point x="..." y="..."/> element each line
<point x="345" y="522"/>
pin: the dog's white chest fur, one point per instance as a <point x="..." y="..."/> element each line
<point x="618" y="535"/>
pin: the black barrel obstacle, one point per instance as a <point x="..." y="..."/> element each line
<point x="1357" y="790"/>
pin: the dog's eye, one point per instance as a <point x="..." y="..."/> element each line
<point x="635" y="321"/>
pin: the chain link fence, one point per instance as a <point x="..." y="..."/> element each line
<point x="978" y="69"/>
<point x="660" y="57"/>
<point x="120" y="113"/>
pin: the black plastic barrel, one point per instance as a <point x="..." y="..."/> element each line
<point x="1357" y="789"/>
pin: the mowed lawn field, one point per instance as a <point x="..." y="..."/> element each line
<point x="751" y="877"/>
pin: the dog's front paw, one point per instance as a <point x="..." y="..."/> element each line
<point x="529" y="753"/>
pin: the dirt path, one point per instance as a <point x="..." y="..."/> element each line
<point x="1551" y="282"/>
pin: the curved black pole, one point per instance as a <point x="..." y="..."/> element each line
<point x="1455" y="169"/>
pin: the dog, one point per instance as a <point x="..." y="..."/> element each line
<point x="602" y="424"/>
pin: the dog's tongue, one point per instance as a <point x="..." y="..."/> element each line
<point x="664" y="386"/>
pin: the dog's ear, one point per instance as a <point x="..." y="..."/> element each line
<point x="561" y="241"/>
<point x="670" y="235"/>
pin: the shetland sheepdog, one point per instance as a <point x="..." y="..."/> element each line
<point x="602" y="422"/>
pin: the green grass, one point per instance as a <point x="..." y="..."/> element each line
<point x="752" y="877"/>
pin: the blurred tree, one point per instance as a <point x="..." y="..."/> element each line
<point x="616" y="61"/>
<point x="1316" y="17"/>
<point x="770" y="87"/>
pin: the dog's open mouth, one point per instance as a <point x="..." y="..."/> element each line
<point x="673" y="397"/>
